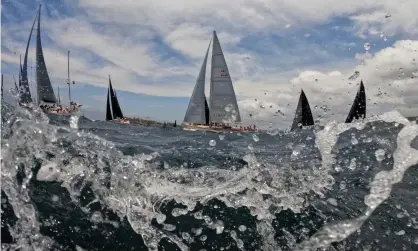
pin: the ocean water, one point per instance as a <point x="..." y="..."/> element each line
<point x="69" y="183"/>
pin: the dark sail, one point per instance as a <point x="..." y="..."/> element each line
<point x="117" y="112"/>
<point x="358" y="109"/>
<point x="24" y="90"/>
<point x="207" y="113"/>
<point x="44" y="87"/>
<point x="108" y="108"/>
<point x="303" y="115"/>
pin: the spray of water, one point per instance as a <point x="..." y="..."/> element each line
<point x="137" y="188"/>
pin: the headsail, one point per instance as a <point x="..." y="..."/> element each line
<point x="24" y="90"/>
<point x="358" y="109"/>
<point x="44" y="87"/>
<point x="108" y="106"/>
<point x="116" y="111"/>
<point x="196" y="111"/>
<point x="303" y="115"/>
<point x="222" y="92"/>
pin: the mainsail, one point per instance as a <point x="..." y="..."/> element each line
<point x="113" y="107"/>
<point x="196" y="111"/>
<point x="358" y="109"/>
<point x="24" y="90"/>
<point x="44" y="87"/>
<point x="303" y="115"/>
<point x="222" y="95"/>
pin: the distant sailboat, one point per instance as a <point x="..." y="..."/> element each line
<point x="303" y="114"/>
<point x="113" y="110"/>
<point x="223" y="103"/>
<point x="46" y="98"/>
<point x="358" y="109"/>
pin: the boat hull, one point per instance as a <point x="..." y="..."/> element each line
<point x="216" y="129"/>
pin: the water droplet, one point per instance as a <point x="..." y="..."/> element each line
<point x="381" y="34"/>
<point x="221" y="137"/>
<point x="354" y="141"/>
<point x="385" y="38"/>
<point x="212" y="142"/>
<point x="96" y="217"/>
<point x="55" y="198"/>
<point x="354" y="76"/>
<point x="219" y="225"/>
<point x="229" y="107"/>
<point x="203" y="238"/>
<point x="255" y="138"/>
<point x="377" y="68"/>
<point x="380" y="154"/>
<point x="316" y="80"/>
<point x="251" y="147"/>
<point x="352" y="165"/>
<point x="160" y="218"/>
<point x="402" y="232"/>
<point x="333" y="202"/>
<point x="367" y="46"/>
<point x="242" y="228"/>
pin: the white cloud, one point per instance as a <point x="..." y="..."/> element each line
<point x="124" y="34"/>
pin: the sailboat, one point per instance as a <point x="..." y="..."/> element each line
<point x="46" y="98"/>
<point x="358" y="109"/>
<point x="113" y="110"/>
<point x="223" y="109"/>
<point x="303" y="114"/>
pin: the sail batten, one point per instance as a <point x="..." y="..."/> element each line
<point x="303" y="114"/>
<point x="222" y="94"/>
<point x="44" y="86"/>
<point x="196" y="111"/>
<point x="358" y="109"/>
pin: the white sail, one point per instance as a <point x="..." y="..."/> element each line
<point x="196" y="110"/>
<point x="223" y="102"/>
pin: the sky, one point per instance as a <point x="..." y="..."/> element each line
<point x="153" y="51"/>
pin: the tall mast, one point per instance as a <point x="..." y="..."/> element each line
<point x="2" y="85"/>
<point x="69" y="81"/>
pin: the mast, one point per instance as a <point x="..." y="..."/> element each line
<point x="59" y="99"/>
<point x="69" y="81"/>
<point x="196" y="110"/>
<point x="2" y="85"/>
<point x="222" y="92"/>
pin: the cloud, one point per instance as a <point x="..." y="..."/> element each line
<point x="273" y="49"/>
<point x="390" y="77"/>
